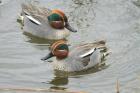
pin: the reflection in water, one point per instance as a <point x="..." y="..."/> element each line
<point x="39" y="43"/>
<point x="59" y="81"/>
<point x="37" y="40"/>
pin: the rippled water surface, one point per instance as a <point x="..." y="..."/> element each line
<point x="116" y="21"/>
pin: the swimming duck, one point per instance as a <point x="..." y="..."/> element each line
<point x="79" y="58"/>
<point x="45" y="23"/>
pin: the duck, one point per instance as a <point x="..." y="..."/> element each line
<point x="45" y="23"/>
<point x="77" y="58"/>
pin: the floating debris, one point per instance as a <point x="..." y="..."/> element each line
<point x="39" y="90"/>
<point x="20" y="20"/>
<point x="117" y="86"/>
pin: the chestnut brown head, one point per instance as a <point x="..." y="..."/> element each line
<point x="59" y="20"/>
<point x="59" y="49"/>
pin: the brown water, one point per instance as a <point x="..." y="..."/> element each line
<point x="116" y="21"/>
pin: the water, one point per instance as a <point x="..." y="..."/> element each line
<point x="116" y="21"/>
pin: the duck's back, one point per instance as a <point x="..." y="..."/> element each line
<point x="87" y="55"/>
<point x="76" y="51"/>
<point x="36" y="11"/>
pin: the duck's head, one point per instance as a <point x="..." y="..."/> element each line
<point x="58" y="20"/>
<point x="59" y="49"/>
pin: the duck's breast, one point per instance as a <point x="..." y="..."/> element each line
<point x="68" y="65"/>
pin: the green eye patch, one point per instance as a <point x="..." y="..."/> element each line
<point x="54" y="17"/>
<point x="63" y="47"/>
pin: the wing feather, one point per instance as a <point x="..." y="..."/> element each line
<point x="33" y="20"/>
<point x="87" y="53"/>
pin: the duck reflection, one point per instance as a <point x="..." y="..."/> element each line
<point x="38" y="43"/>
<point x="57" y="81"/>
<point x="37" y="40"/>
